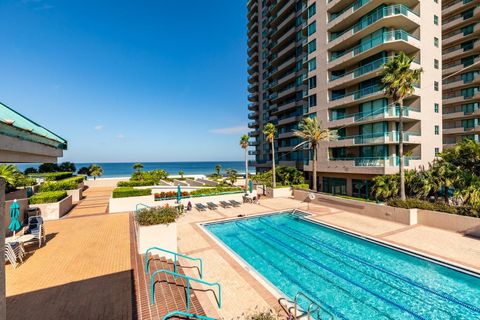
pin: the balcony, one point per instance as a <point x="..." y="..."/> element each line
<point x="458" y="66"/>
<point x="457" y="82"/>
<point x="459" y="36"/>
<point x="359" y="74"/>
<point x="409" y="115"/>
<point x="461" y="130"/>
<point x="253" y="97"/>
<point x="464" y="114"/>
<point x="394" y="16"/>
<point x="376" y="138"/>
<point x="253" y="152"/>
<point x="455" y="6"/>
<point x="456" y="98"/>
<point x="358" y="96"/>
<point x="253" y="106"/>
<point x="253" y="115"/>
<point x="458" y="21"/>
<point x="397" y="40"/>
<point x="369" y="165"/>
<point x="254" y="133"/>
<point x="457" y="52"/>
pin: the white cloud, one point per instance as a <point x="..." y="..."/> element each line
<point x="231" y="130"/>
<point x="120" y="136"/>
<point x="98" y="127"/>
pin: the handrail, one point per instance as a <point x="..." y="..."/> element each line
<point x="140" y="204"/>
<point x="186" y="314"/>
<point x="175" y="254"/>
<point x="211" y="284"/>
<point x="309" y="309"/>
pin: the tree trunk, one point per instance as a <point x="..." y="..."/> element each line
<point x="400" y="151"/>
<point x="246" y="169"/>
<point x="445" y="191"/>
<point x="314" y="169"/>
<point x="274" y="183"/>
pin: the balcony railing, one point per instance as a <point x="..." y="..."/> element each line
<point x="375" y="16"/>
<point x="363" y="69"/>
<point x="384" y="112"/>
<point x="374" y="42"/>
<point x="392" y="161"/>
<point x="382" y="137"/>
<point x="356" y="5"/>
<point x="360" y="93"/>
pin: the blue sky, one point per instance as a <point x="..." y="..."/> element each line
<point x="129" y="80"/>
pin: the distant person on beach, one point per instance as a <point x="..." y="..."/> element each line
<point x="189" y="206"/>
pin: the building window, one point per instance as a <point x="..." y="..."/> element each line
<point x="436" y="63"/>
<point x="435" y="42"/>
<point x="312" y="46"/>
<point x="435" y="19"/>
<point x="437" y="151"/>
<point x="312" y="64"/>
<point x="312" y="10"/>
<point x="436" y="107"/>
<point x="312" y="27"/>
<point x="312" y="101"/>
<point x="437" y="130"/>
<point x="435" y="85"/>
<point x="312" y="82"/>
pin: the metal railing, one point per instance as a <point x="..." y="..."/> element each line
<point x="313" y="303"/>
<point x="186" y="314"/>
<point x="210" y="284"/>
<point x="175" y="254"/>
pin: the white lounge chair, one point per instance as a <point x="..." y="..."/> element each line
<point x="13" y="252"/>
<point x="36" y="228"/>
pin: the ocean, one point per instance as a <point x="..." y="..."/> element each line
<point x="125" y="169"/>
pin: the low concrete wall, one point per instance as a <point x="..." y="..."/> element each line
<point x="128" y="204"/>
<point x="466" y="225"/>
<point x="160" y="235"/>
<point x="104" y="182"/>
<point x="381" y="211"/>
<point x="23" y="203"/>
<point x="17" y="194"/>
<point x="278" y="192"/>
<point x="54" y="211"/>
<point x="76" y="194"/>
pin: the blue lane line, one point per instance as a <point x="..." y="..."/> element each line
<point x="391" y="285"/>
<point x="291" y="279"/>
<point x="441" y="294"/>
<point x="321" y="265"/>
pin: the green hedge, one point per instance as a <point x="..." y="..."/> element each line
<point x="47" y="197"/>
<point x="66" y="184"/>
<point x="303" y="186"/>
<point x="412" y="203"/>
<point x="158" y="215"/>
<point x="135" y="183"/>
<point x="52" y="176"/>
<point x="213" y="191"/>
<point x="125" y="192"/>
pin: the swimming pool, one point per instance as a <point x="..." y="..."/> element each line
<point x="351" y="277"/>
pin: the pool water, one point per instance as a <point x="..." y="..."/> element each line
<point x="350" y="277"/>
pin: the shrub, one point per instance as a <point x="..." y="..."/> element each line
<point x="412" y="203"/>
<point x="145" y="183"/>
<point x="157" y="215"/>
<point x="125" y="192"/>
<point x="66" y="184"/>
<point x="47" y="197"/>
<point x="52" y="176"/>
<point x="303" y="186"/>
<point x="154" y="175"/>
<point x="170" y="194"/>
<point x="213" y="191"/>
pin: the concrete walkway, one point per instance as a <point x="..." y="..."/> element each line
<point x="82" y="272"/>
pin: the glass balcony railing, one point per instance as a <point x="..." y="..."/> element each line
<point x="374" y="65"/>
<point x="374" y="17"/>
<point x="356" y="5"/>
<point x="374" y="42"/>
<point x="360" y="93"/>
<point x="374" y="114"/>
<point x="392" y="161"/>
<point x="382" y="137"/>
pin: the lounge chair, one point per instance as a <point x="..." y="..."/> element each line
<point x="212" y="206"/>
<point x="235" y="203"/>
<point x="13" y="251"/>
<point x="36" y="228"/>
<point x="225" y="204"/>
<point x="200" y="207"/>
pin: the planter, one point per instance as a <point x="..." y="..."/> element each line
<point x="54" y="211"/>
<point x="116" y="205"/>
<point x="278" y="192"/>
<point x="161" y="235"/>
<point x="76" y="194"/>
<point x="17" y="194"/>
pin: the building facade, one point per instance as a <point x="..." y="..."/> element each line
<point x="322" y="59"/>
<point x="461" y="70"/>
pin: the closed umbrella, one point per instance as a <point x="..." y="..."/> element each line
<point x="14" y="214"/>
<point x="179" y="194"/>
<point x="250" y="185"/>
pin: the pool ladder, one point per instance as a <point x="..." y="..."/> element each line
<point x="313" y="308"/>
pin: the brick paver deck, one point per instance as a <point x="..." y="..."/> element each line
<point x="82" y="272"/>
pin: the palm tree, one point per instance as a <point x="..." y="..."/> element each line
<point x="218" y="168"/>
<point x="95" y="171"/>
<point x="11" y="175"/>
<point x="138" y="167"/>
<point x="385" y="187"/>
<point x="311" y="133"/>
<point x="244" y="145"/>
<point x="399" y="80"/>
<point x="269" y="132"/>
<point x="181" y="173"/>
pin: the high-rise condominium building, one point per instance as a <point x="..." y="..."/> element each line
<point x="461" y="70"/>
<point x="322" y="59"/>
